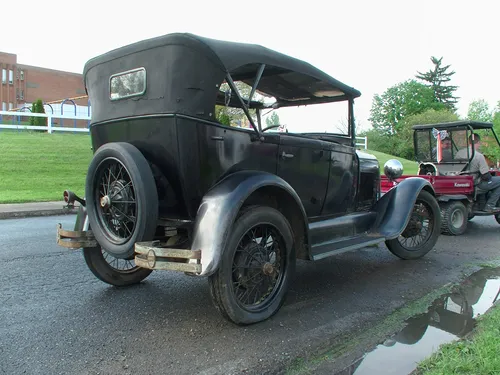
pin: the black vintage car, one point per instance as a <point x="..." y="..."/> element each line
<point x="173" y="186"/>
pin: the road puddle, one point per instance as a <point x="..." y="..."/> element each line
<point x="449" y="317"/>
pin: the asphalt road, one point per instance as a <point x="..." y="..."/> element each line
<point x="57" y="318"/>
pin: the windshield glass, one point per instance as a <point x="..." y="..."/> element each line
<point x="442" y="146"/>
<point x="315" y="118"/>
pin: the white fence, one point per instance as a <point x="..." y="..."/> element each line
<point x="16" y="119"/>
<point x="364" y="144"/>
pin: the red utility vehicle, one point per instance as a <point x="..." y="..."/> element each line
<point x="444" y="152"/>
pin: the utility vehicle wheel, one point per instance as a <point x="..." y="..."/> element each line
<point x="454" y="218"/>
<point x="421" y="232"/>
<point x="122" y="201"/>
<point x="256" y="267"/>
<point x="497" y="218"/>
<point x="114" y="271"/>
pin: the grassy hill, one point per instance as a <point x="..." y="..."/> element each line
<point x="409" y="167"/>
<point x="36" y="167"/>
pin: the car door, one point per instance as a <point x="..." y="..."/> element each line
<point x="304" y="164"/>
<point x="342" y="182"/>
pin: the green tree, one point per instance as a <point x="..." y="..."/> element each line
<point x="222" y="115"/>
<point x="401" y="145"/>
<point x="399" y="101"/>
<point x="437" y="79"/>
<point x="496" y="119"/>
<point x="37" y="107"/>
<point x="274" y="119"/>
<point x="235" y="114"/>
<point x="491" y="149"/>
<point x="479" y="110"/>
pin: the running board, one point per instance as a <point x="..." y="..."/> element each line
<point x="326" y="250"/>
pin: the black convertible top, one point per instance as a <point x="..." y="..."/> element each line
<point x="453" y="124"/>
<point x="285" y="77"/>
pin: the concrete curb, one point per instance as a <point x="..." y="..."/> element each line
<point x="20" y="215"/>
<point x="24" y="210"/>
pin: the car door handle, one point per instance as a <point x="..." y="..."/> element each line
<point x="284" y="155"/>
<point x="217" y="138"/>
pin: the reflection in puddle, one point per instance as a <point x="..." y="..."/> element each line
<point x="449" y="317"/>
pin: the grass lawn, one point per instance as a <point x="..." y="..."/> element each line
<point x="478" y="354"/>
<point x="36" y="167"/>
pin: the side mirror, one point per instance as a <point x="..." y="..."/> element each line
<point x="393" y="169"/>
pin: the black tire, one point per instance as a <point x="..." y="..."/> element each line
<point x="101" y="265"/>
<point x="120" y="172"/>
<point x="454" y="218"/>
<point x="425" y="203"/>
<point x="497" y="218"/>
<point x="261" y="262"/>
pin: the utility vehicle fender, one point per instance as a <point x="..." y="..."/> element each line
<point x="394" y="208"/>
<point x="219" y="208"/>
<point x="458" y="197"/>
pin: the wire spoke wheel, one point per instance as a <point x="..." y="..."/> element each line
<point x="422" y="230"/>
<point x="418" y="230"/>
<point x="257" y="266"/>
<point x="116" y="205"/>
<point x="118" y="264"/>
<point x="122" y="198"/>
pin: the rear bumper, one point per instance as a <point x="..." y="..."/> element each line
<point x="72" y="239"/>
<point x="156" y="256"/>
<point x="152" y="255"/>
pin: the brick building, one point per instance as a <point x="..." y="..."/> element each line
<point x="23" y="84"/>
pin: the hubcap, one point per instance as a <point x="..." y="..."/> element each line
<point x="268" y="269"/>
<point x="105" y="201"/>
<point x="457" y="219"/>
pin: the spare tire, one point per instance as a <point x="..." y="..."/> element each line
<point x="121" y="198"/>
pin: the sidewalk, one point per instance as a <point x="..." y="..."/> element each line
<point x="19" y="210"/>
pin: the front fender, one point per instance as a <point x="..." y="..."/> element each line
<point x="219" y="208"/>
<point x="394" y="208"/>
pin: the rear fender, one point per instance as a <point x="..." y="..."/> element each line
<point x="81" y="222"/>
<point x="219" y="208"/>
<point x="395" y="207"/>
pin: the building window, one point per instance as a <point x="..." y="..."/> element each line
<point x="21" y="73"/>
<point x="11" y="77"/>
<point x="4" y="106"/>
<point x="11" y="106"/>
<point x="4" y="76"/>
<point x="21" y="95"/>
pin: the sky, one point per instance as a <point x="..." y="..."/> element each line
<point x="369" y="45"/>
